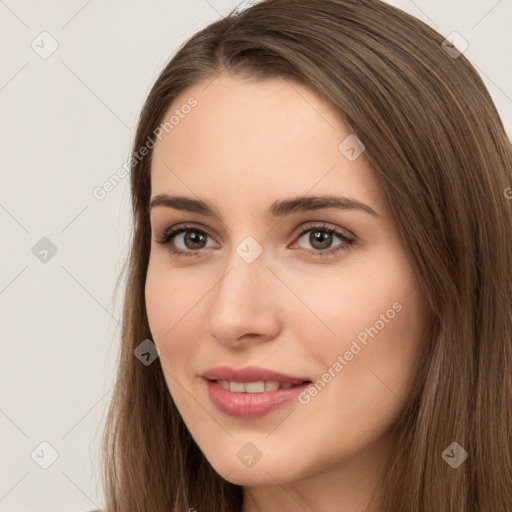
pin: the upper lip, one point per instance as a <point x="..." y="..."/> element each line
<point x="249" y="374"/>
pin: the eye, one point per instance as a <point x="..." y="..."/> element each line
<point x="321" y="238"/>
<point x="188" y="236"/>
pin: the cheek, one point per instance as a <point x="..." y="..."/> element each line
<point x="372" y="288"/>
<point x="172" y="310"/>
<point x="376" y="313"/>
<point x="168" y="296"/>
<point x="381" y="354"/>
<point x="159" y="303"/>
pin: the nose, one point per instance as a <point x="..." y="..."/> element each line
<point x="244" y="304"/>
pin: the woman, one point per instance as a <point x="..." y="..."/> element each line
<point x="318" y="313"/>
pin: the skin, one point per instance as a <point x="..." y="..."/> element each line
<point x="246" y="144"/>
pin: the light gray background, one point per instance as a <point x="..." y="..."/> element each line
<point x="67" y="125"/>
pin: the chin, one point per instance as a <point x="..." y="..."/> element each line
<point x="250" y="477"/>
<point x="260" y="474"/>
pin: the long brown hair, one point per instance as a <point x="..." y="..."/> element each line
<point x="439" y="149"/>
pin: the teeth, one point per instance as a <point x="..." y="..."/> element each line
<point x="236" y="387"/>
<point x="254" y="387"/>
<point x="271" y="385"/>
<point x="223" y="384"/>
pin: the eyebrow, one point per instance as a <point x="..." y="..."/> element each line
<point x="277" y="209"/>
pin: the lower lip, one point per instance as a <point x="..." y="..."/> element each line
<point x="251" y="405"/>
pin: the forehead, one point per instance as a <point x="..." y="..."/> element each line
<point x="272" y="137"/>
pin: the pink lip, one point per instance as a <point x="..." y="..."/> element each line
<point x="251" y="405"/>
<point x="250" y="374"/>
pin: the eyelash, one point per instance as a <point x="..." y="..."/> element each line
<point x="172" y="232"/>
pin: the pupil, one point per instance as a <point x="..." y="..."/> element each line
<point x="194" y="238"/>
<point x="323" y="238"/>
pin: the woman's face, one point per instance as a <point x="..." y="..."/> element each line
<point x="265" y="283"/>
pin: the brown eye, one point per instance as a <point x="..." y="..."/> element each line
<point x="184" y="240"/>
<point x="321" y="240"/>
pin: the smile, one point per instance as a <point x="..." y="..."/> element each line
<point x="251" y="399"/>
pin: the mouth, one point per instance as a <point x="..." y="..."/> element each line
<point x="251" y="391"/>
<point x="247" y="398"/>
